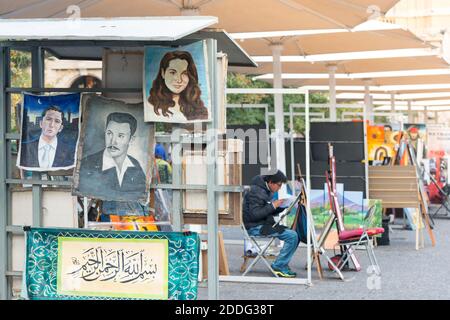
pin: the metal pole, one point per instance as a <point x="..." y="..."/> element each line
<point x="367" y="99"/>
<point x="392" y="102"/>
<point x="9" y="169"/>
<point x="308" y="184"/>
<point x="177" y="157"/>
<point x="291" y="124"/>
<point x="211" y="150"/>
<point x="278" y="109"/>
<point x="86" y="212"/>
<point x="332" y="84"/>
<point x="366" y="152"/>
<point x="266" y="118"/>
<point x="37" y="81"/>
<point x="3" y="168"/>
<point x="410" y="114"/>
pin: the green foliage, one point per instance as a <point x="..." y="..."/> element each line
<point x="20" y="68"/>
<point x="20" y="63"/>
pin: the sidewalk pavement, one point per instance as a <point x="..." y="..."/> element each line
<point x="406" y="273"/>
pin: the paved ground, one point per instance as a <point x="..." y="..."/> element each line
<point x="406" y="273"/>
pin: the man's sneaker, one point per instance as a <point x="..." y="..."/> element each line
<point x="287" y="273"/>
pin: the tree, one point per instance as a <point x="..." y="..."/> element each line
<point x="256" y="116"/>
<point x="20" y="63"/>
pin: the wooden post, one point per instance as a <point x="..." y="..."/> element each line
<point x="223" y="260"/>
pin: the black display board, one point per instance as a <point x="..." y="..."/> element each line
<point x="347" y="139"/>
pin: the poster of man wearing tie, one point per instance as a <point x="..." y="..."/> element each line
<point x="50" y="132"/>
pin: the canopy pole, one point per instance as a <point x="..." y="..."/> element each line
<point x="308" y="187"/>
<point x="436" y="117"/>
<point x="368" y="100"/>
<point x="425" y="115"/>
<point x="332" y="84"/>
<point x="393" y="102"/>
<point x="410" y="114"/>
<point x="279" y="110"/>
<point x="366" y="152"/>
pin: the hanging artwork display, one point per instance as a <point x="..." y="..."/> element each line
<point x="50" y="131"/>
<point x="66" y="264"/>
<point x="115" y="151"/>
<point x="415" y="132"/>
<point x="438" y="154"/>
<point x="380" y="142"/>
<point x="176" y="84"/>
<point x="194" y="172"/>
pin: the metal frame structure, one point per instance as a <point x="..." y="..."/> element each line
<point x="320" y="117"/>
<point x="304" y="281"/>
<point x="291" y="119"/>
<point x="177" y="139"/>
<point x="265" y="107"/>
<point x="375" y="114"/>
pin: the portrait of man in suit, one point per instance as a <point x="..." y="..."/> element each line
<point x="118" y="171"/>
<point x="46" y="152"/>
<point x="49" y="138"/>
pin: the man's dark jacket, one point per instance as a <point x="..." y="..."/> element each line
<point x="258" y="209"/>
<point x="105" y="184"/>
<point x="64" y="154"/>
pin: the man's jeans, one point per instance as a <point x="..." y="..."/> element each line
<point x="290" y="239"/>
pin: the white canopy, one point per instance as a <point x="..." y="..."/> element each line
<point x="377" y="36"/>
<point x="150" y="28"/>
<point x="234" y="15"/>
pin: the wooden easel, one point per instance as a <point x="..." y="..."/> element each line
<point x="421" y="195"/>
<point x="401" y="187"/>
<point x="394" y="160"/>
<point x="317" y="248"/>
<point x="223" y="260"/>
<point x="335" y="208"/>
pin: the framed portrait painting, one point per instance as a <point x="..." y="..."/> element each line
<point x="176" y="84"/>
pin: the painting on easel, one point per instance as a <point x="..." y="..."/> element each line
<point x="353" y="204"/>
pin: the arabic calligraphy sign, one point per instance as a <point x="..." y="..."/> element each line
<point x="134" y="268"/>
<point x="80" y="264"/>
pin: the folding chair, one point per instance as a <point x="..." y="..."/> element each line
<point x="445" y="194"/>
<point x="360" y="237"/>
<point x="262" y="252"/>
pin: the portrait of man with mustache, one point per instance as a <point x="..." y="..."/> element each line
<point x="113" y="166"/>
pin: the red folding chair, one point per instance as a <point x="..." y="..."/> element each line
<point x="359" y="237"/>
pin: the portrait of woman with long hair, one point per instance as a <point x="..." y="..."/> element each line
<point x="175" y="94"/>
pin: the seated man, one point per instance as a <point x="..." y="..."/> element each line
<point x="258" y="215"/>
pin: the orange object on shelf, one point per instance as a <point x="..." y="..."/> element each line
<point x="136" y="223"/>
